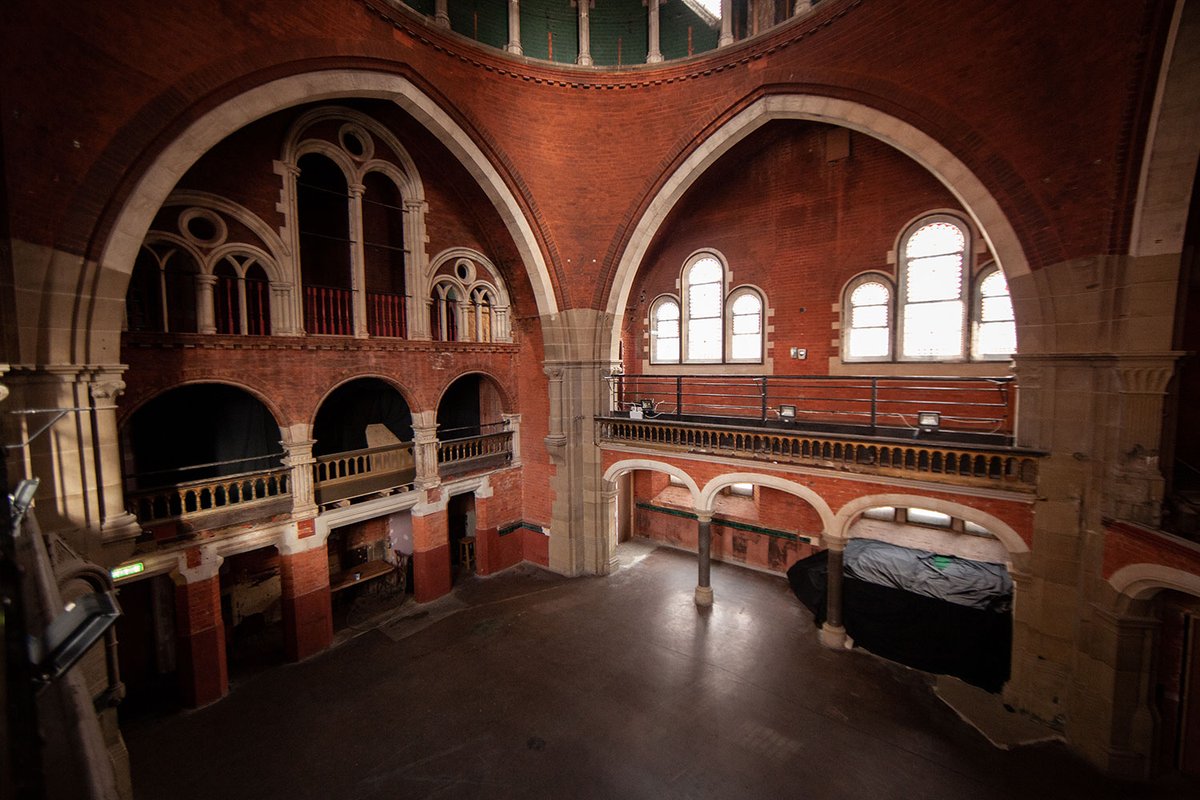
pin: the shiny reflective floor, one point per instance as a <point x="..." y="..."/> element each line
<point x="530" y="685"/>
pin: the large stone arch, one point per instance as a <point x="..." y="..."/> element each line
<point x="942" y="163"/>
<point x="1141" y="581"/>
<point x="99" y="325"/>
<point x="1018" y="549"/>
<point x="709" y="495"/>
<point x="630" y="464"/>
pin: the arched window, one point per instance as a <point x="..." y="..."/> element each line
<point x="481" y="315"/>
<point x="704" y="290"/>
<point x="144" y="300"/>
<point x="933" y="289"/>
<point x="996" y="328"/>
<point x="868" y="312"/>
<point x="241" y="297"/>
<point x="179" y="280"/>
<point x="227" y="306"/>
<point x="443" y="312"/>
<point x="664" y="332"/>
<point x="746" y="328"/>
<point x="322" y="199"/>
<point x="383" y="255"/>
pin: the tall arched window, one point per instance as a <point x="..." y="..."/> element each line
<point x="179" y="281"/>
<point x="322" y="199"/>
<point x="443" y="312"/>
<point x="704" y="288"/>
<point x="996" y="327"/>
<point x="868" y="314"/>
<point x="745" y="325"/>
<point x="383" y="255"/>
<point x="227" y="305"/>
<point x="664" y="332"/>
<point x="933" y="290"/>
<point x="481" y="315"/>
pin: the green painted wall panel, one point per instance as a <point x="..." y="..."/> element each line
<point x="485" y="21"/>
<point x="421" y="6"/>
<point x="620" y="34"/>
<point x="539" y="18"/>
<point x="675" y="19"/>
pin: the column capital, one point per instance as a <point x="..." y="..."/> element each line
<point x="703" y="517"/>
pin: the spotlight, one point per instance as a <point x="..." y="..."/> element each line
<point x="929" y="421"/>
<point x="787" y="413"/>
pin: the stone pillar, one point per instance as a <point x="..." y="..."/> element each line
<point x="512" y="422"/>
<point x="441" y="14"/>
<point x="431" y="550"/>
<point x="425" y="450"/>
<point x="358" y="261"/>
<point x="206" y="321"/>
<point x="307" y="613"/>
<point x="200" y="651"/>
<point x="514" y="28"/>
<point x="283" y="319"/>
<point x="585" y="33"/>
<point x="704" y="592"/>
<point x="1137" y="481"/>
<point x="833" y="632"/>
<point x="726" y="37"/>
<point x="416" y="264"/>
<point x="117" y="524"/>
<point x="298" y="457"/>
<point x="653" y="54"/>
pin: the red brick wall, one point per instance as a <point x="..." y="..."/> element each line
<point x="202" y="669"/>
<point x="122" y="80"/>
<point x="431" y="557"/>
<point x="1127" y="544"/>
<point x="307" y="616"/>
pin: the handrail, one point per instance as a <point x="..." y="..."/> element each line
<point x="475" y="448"/>
<point x="212" y="494"/>
<point x="959" y="464"/>
<point x="355" y="473"/>
<point x="976" y="405"/>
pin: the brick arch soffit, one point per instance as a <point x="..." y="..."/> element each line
<point x="1016" y="546"/>
<point x="125" y="413"/>
<point x="978" y="202"/>
<point x="406" y="394"/>
<point x="1141" y="581"/>
<point x="118" y="251"/>
<point x="631" y="464"/>
<point x="506" y="401"/>
<point x="709" y="494"/>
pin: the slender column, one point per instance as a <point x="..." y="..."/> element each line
<point x="585" y="33"/>
<point x="726" y="37"/>
<point x="833" y="634"/>
<point x="653" y="54"/>
<point x="416" y="265"/>
<point x="556" y="439"/>
<point x="358" y="261"/>
<point x="704" y="592"/>
<point x="283" y="322"/>
<point x="206" y="321"/>
<point x="441" y="15"/>
<point x="512" y="422"/>
<point x="202" y="668"/>
<point x="116" y="523"/>
<point x="299" y="459"/>
<point x="514" y="27"/>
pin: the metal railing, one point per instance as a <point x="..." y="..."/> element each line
<point x="473" y="452"/>
<point x="887" y="405"/>
<point x="960" y="465"/>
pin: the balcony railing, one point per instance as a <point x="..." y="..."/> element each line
<point x="193" y="498"/>
<point x="328" y="311"/>
<point x="980" y="410"/>
<point x="343" y="476"/>
<point x="387" y="315"/>
<point x="958" y="464"/>
<point x="488" y="450"/>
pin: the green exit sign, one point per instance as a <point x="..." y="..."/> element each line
<point x="125" y="570"/>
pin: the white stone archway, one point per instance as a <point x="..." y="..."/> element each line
<point x="975" y="197"/>
<point x="630" y="464"/>
<point x="713" y="487"/>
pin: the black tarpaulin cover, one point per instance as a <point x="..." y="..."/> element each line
<point x="970" y="642"/>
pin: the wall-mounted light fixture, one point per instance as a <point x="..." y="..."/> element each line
<point x="787" y="413"/>
<point x="929" y="421"/>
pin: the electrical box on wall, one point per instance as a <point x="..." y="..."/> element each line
<point x="800" y="353"/>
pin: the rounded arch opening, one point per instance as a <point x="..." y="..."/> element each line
<point x="360" y="414"/>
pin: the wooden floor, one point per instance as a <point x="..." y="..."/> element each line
<point x="527" y="685"/>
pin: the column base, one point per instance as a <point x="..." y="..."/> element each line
<point x="123" y="526"/>
<point x="833" y="636"/>
<point x="515" y="49"/>
<point x="654" y="58"/>
<point x="704" y="596"/>
<point x="584" y="61"/>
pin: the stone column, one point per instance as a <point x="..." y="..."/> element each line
<point x="200" y="652"/>
<point x="283" y="321"/>
<point x="117" y="524"/>
<point x="1137" y="481"/>
<point x="512" y="422"/>
<point x="358" y="261"/>
<point x="514" y="28"/>
<point x="441" y="14"/>
<point x="298" y="457"/>
<point x="653" y="54"/>
<point x="704" y="592"/>
<point x="425" y="450"/>
<point x="304" y="589"/>
<point x="416" y="265"/>
<point x="206" y="321"/>
<point x="585" y="33"/>
<point x="726" y="37"/>
<point x="833" y="633"/>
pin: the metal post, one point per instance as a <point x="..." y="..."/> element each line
<point x="874" y="400"/>
<point x="678" y="397"/>
<point x="764" y="398"/>
<point x="704" y="592"/>
<point x="833" y="633"/>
